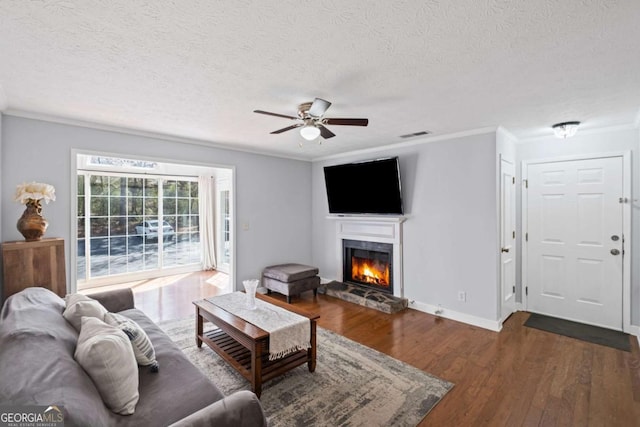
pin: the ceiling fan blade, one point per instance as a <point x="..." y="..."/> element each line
<point x="326" y="133"/>
<point x="275" y="114"/>
<point x="318" y="107"/>
<point x="287" y="128"/>
<point x="347" y="122"/>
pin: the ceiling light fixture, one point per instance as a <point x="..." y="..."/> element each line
<point x="309" y="132"/>
<point x="566" y="129"/>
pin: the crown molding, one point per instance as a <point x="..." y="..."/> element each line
<point x="418" y="141"/>
<point x="507" y="134"/>
<point x="143" y="133"/>
<point x="230" y="147"/>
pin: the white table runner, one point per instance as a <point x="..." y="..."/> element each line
<point x="288" y="332"/>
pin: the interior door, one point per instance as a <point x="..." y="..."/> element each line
<point x="575" y="240"/>
<point x="507" y="238"/>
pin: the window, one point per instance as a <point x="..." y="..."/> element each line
<point x="226" y="227"/>
<point x="180" y="213"/>
<point x="134" y="222"/>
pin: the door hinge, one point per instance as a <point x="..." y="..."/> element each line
<point x="526" y="237"/>
<point x="526" y="183"/>
<point x="513" y="234"/>
<point x="513" y="179"/>
<point x="526" y="290"/>
<point x="514" y="289"/>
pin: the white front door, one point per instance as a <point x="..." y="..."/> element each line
<point x="507" y="238"/>
<point x="574" y="225"/>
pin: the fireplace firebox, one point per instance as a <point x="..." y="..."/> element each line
<point x="368" y="264"/>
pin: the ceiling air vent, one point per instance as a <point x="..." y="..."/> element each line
<point x="412" y="135"/>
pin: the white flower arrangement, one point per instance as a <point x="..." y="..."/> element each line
<point x="33" y="192"/>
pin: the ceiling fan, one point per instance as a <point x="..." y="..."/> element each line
<point x="311" y="120"/>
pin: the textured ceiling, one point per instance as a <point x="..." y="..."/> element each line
<point x="197" y="69"/>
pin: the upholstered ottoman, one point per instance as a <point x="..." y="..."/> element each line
<point x="290" y="279"/>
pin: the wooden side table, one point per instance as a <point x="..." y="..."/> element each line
<point x="39" y="263"/>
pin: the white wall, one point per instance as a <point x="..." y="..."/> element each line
<point x="450" y="236"/>
<point x="1" y="181"/>
<point x="506" y="145"/>
<point x="272" y="194"/>
<point x="604" y="141"/>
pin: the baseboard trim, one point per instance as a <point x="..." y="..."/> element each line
<point x="635" y="330"/>
<point x="492" y="325"/>
<point x="324" y="280"/>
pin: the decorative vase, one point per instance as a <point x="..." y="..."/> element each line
<point x="250" y="287"/>
<point x="32" y="224"/>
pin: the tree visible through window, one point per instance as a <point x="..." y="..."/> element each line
<point x="180" y="211"/>
<point x="131" y="223"/>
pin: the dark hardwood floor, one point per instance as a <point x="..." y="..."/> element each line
<point x="520" y="376"/>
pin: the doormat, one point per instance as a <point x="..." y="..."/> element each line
<point x="592" y="334"/>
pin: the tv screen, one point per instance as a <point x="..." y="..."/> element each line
<point x="370" y="187"/>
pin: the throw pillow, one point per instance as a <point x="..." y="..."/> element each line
<point x="142" y="347"/>
<point x="79" y="305"/>
<point x="105" y="353"/>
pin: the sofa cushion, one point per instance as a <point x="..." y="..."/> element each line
<point x="78" y="306"/>
<point x="105" y="352"/>
<point x="142" y="347"/>
<point x="28" y="378"/>
<point x="179" y="389"/>
<point x="36" y="359"/>
<point x="289" y="272"/>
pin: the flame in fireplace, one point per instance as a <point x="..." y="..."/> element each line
<point x="370" y="271"/>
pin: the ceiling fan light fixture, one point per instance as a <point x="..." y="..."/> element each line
<point x="309" y="132"/>
<point x="311" y="121"/>
<point x="565" y="129"/>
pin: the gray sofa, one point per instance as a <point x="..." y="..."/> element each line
<point x="37" y="367"/>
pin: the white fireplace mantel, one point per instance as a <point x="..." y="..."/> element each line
<point x="372" y="229"/>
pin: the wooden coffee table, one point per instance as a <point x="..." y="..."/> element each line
<point x="246" y="347"/>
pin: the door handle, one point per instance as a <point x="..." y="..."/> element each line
<point x="615" y="252"/>
<point x="504" y="250"/>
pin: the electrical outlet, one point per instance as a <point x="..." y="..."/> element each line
<point x="245" y="226"/>
<point x="462" y="296"/>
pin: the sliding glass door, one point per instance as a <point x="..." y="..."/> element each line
<point x="223" y="223"/>
<point x="135" y="223"/>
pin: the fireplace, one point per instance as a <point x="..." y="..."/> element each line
<point x="368" y="264"/>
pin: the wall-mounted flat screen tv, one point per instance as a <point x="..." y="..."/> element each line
<point x="369" y="187"/>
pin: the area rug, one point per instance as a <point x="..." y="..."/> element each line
<point x="352" y="385"/>
<point x="592" y="334"/>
